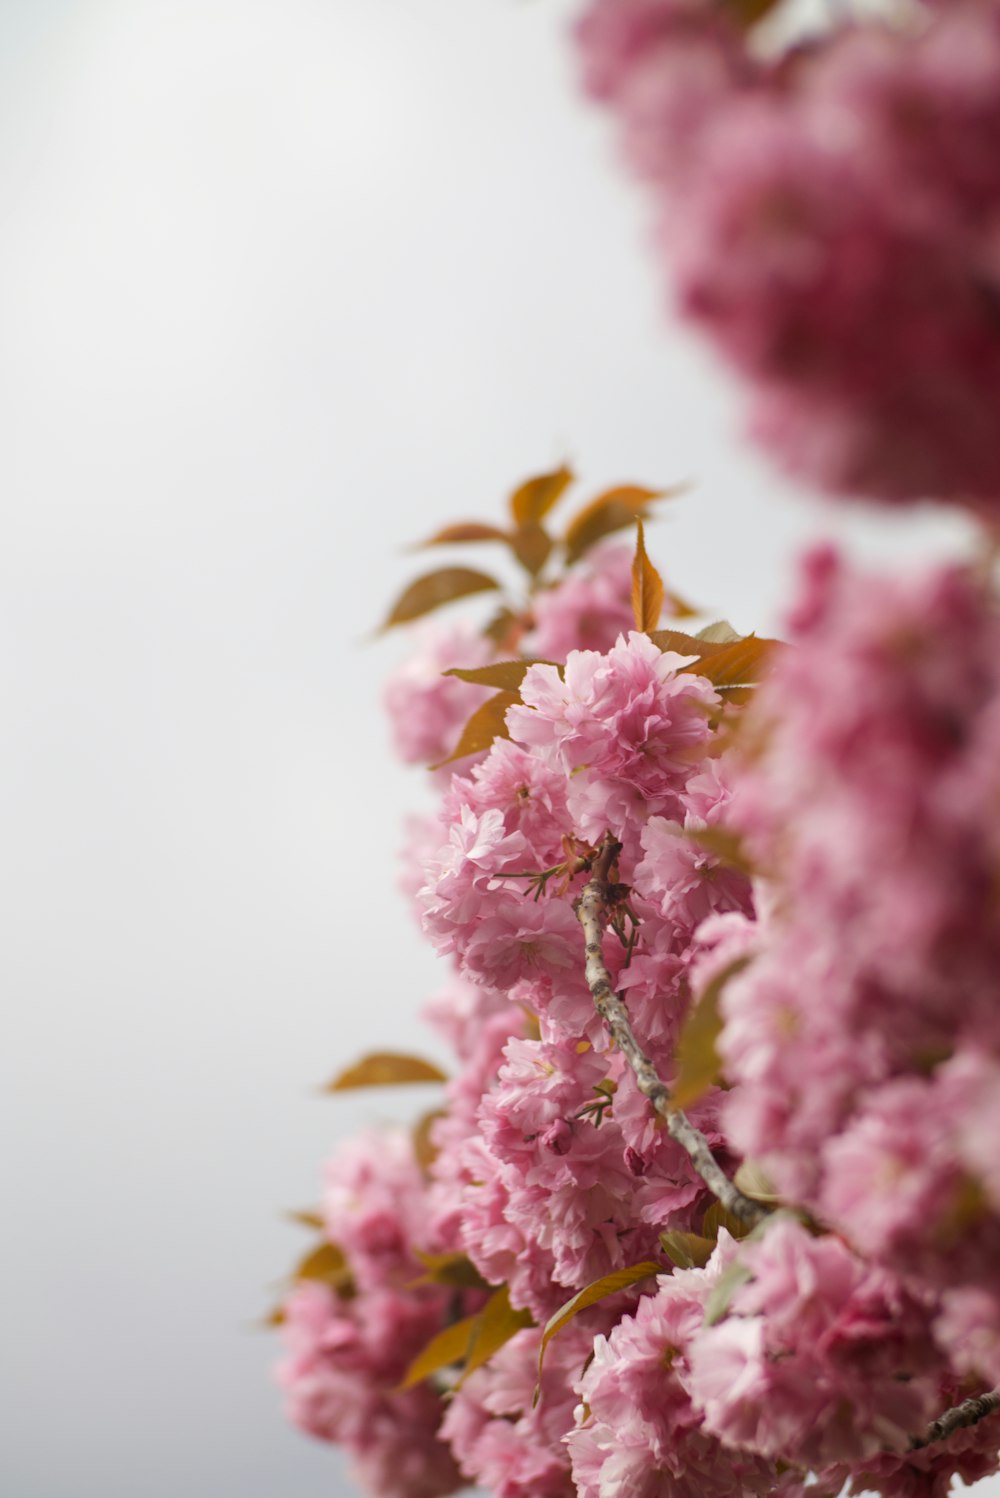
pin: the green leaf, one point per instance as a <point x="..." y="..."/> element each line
<point x="687" y="1250"/>
<point x="614" y="510"/>
<point x="609" y="1284"/>
<point x="487" y="723"/>
<point x="698" y="1065"/>
<point x="647" y="586"/>
<point x="533" y="500"/>
<point x="433" y="589"/>
<point x="449" y="1347"/>
<point x="497" y="1322"/>
<point x="386" y="1069"/>
<point x="722" y="1292"/>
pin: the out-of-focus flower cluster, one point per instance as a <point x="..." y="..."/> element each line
<point x="830" y="215"/>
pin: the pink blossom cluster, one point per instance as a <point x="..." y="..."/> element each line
<point x="864" y="1036"/>
<point x="860" y="1047"/>
<point x="830" y="216"/>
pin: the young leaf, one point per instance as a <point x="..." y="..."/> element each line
<point x="609" y="1284"/>
<point x="719" y="633"/>
<point x="462" y="531"/>
<point x="532" y="546"/>
<point x="535" y="498"/>
<point x="487" y="723"/>
<point x="497" y="1323"/>
<point x="698" y="1064"/>
<point x="755" y="1183"/>
<point x="717" y="1217"/>
<point x="722" y="1292"/>
<point x="450" y="1346"/>
<point x="647" y="586"/>
<point x="681" y="644"/>
<point x="433" y="589"/>
<point x="741" y="663"/>
<point x="423" y="1147"/>
<point x="505" y="675"/>
<point x="687" y="1250"/>
<point x="678" y="607"/>
<point x="386" y="1069"/>
<point x="307" y="1219"/>
<point x="325" y="1263"/>
<point x="614" y="510"/>
<point x="450" y="1269"/>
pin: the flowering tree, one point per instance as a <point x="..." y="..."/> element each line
<point x="711" y="1205"/>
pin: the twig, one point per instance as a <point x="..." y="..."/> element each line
<point x="592" y="910"/>
<point x="969" y="1412"/>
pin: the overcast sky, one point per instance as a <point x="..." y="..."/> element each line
<point x="283" y="284"/>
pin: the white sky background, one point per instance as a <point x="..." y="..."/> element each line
<point x="283" y="284"/>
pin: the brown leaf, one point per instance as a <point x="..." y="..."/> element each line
<point x="462" y="531"/>
<point x="507" y="676"/>
<point x="647" y="586"/>
<point x="698" y="1065"/>
<point x="754" y="1182"/>
<point x="718" y="1217"/>
<point x="429" y="592"/>
<point x="608" y="1284"/>
<point x="486" y="724"/>
<point x="307" y="1219"/>
<point x="449" y="1347"/>
<point x="532" y="546"/>
<point x="533" y="500"/>
<point x="614" y="510"/>
<point x="687" y="1250"/>
<point x="423" y="1147"/>
<point x="682" y="644"/>
<point x="678" y="607"/>
<point x="325" y="1263"/>
<point x="386" y="1069"/>
<point x="497" y="1323"/>
<point x="741" y="663"/>
<point x="456" y="1270"/>
<point x="504" y="629"/>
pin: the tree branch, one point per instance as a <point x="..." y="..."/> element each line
<point x="970" y="1412"/>
<point x="592" y="910"/>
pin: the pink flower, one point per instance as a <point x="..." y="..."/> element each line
<point x="427" y="709"/>
<point x="588" y="610"/>
<point x="626" y="727"/>
<point x="818" y="1359"/>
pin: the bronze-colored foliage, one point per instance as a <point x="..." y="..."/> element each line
<point x="463" y="531"/>
<point x="487" y="723"/>
<point x="532" y="545"/>
<point x="698" y="1065"/>
<point x="386" y="1069"/>
<point x="608" y="1284"/>
<point x="687" y="1250"/>
<point x="533" y="500"/>
<point x="433" y="589"/>
<point x="496" y="1323"/>
<point x="507" y="676"/>
<point x="647" y="586"/>
<point x="613" y="510"/>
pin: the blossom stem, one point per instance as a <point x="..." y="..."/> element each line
<point x="592" y="910"/>
<point x="969" y="1412"/>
